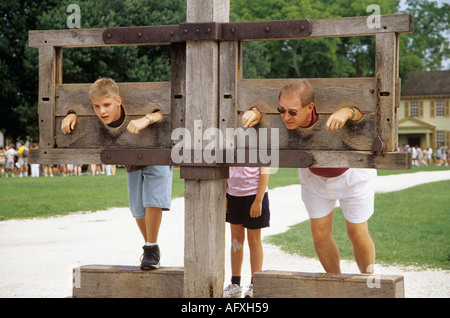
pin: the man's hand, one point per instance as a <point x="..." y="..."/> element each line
<point x="251" y="118"/>
<point x="338" y="119"/>
<point x="68" y="123"/>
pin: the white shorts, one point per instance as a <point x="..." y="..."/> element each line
<point x="355" y="190"/>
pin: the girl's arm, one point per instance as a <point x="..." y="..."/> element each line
<point x="256" y="208"/>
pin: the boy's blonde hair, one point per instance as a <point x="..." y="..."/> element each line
<point x="104" y="87"/>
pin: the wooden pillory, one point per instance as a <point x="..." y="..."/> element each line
<point x="207" y="91"/>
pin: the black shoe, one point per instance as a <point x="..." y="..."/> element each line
<point x="150" y="259"/>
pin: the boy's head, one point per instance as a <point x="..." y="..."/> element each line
<point x="104" y="94"/>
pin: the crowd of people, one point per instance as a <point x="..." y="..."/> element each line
<point x="428" y="157"/>
<point x="15" y="163"/>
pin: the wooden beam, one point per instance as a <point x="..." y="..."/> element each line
<point x="65" y="156"/>
<point x="178" y="85"/>
<point x="66" y="38"/>
<point x="386" y="74"/>
<point x="286" y="159"/>
<point x="142" y="98"/>
<point x="204" y="251"/>
<point x="90" y="133"/>
<point x="137" y="98"/>
<point x="357" y="26"/>
<point x="330" y="94"/>
<point x="109" y="281"/>
<point x="277" y="284"/>
<point x="332" y="27"/>
<point x="50" y="74"/>
<point x="353" y="136"/>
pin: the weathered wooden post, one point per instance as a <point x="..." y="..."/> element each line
<point x="204" y="246"/>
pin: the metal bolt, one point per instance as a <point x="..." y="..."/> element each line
<point x="267" y="29"/>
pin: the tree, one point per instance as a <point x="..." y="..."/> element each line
<point x="426" y="48"/>
<point x="321" y="57"/>
<point x="17" y="113"/>
<point x="19" y="63"/>
<point x="429" y="46"/>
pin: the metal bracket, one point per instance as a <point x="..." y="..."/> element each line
<point x="143" y="157"/>
<point x="140" y="35"/>
<point x="377" y="146"/>
<point x="205" y="31"/>
<point x="136" y="157"/>
<point x="266" y="30"/>
<point x="209" y="31"/>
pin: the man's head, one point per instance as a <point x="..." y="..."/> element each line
<point x="104" y="94"/>
<point x="296" y="104"/>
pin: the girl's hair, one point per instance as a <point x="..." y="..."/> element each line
<point x="104" y="87"/>
<point x="300" y="87"/>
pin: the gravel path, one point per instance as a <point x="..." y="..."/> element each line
<point x="37" y="256"/>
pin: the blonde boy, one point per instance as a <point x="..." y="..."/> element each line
<point x="149" y="187"/>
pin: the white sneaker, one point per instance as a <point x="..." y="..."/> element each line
<point x="249" y="292"/>
<point x="232" y="291"/>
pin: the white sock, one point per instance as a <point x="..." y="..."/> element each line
<point x="150" y="244"/>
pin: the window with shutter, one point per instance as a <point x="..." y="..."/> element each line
<point x="447" y="108"/>
<point x="414" y="108"/>
<point x="440" y="108"/>
<point x="433" y="109"/>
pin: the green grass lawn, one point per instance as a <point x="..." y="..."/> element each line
<point x="23" y="198"/>
<point x="411" y="226"/>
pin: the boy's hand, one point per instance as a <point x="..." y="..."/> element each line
<point x="68" y="123"/>
<point x="251" y="118"/>
<point x="135" y="126"/>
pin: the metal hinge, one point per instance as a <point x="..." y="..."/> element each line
<point x="209" y="31"/>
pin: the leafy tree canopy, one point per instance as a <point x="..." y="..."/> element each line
<point x="426" y="48"/>
<point x="19" y="63"/>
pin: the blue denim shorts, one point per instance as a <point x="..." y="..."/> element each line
<point x="149" y="187"/>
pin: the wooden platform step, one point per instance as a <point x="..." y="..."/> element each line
<point x="113" y="281"/>
<point x="278" y="284"/>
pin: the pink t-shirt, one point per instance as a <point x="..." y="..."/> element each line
<point x="243" y="181"/>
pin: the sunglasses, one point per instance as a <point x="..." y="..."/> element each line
<point x="291" y="112"/>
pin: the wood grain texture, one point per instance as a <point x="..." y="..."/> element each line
<point x="278" y="284"/>
<point x="109" y="281"/>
